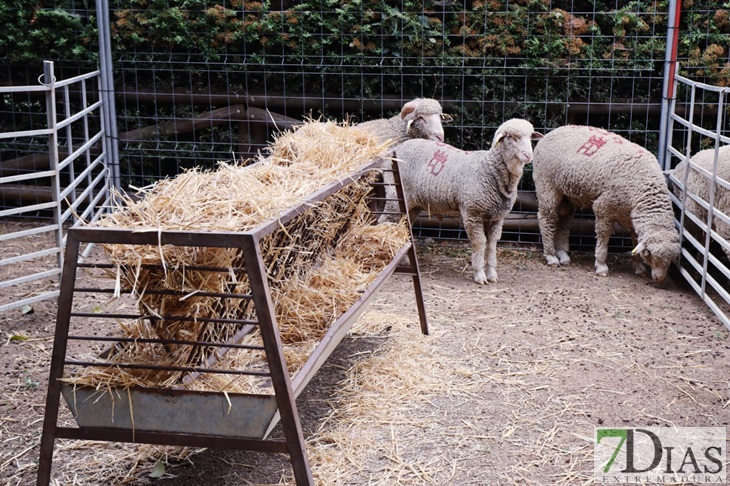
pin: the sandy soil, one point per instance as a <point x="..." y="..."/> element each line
<point x="507" y="388"/>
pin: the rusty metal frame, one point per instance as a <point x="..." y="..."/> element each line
<point x="285" y="388"/>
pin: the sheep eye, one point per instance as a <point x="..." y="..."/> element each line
<point x="646" y="253"/>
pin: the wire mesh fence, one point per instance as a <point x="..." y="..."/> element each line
<point x="201" y="81"/>
<point x="485" y="61"/>
<point x="215" y="88"/>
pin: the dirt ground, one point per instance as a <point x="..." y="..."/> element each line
<point x="507" y="388"/>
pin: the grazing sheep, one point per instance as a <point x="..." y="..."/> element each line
<point x="479" y="186"/>
<point x="700" y="185"/>
<point x="419" y="118"/>
<point x="577" y="167"/>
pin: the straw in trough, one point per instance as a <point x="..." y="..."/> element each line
<point x="316" y="263"/>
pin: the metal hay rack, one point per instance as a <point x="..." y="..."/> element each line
<point x="177" y="415"/>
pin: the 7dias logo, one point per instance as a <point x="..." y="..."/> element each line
<point x="659" y="455"/>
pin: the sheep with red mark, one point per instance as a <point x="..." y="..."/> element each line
<point x="577" y="167"/>
<point x="480" y="186"/>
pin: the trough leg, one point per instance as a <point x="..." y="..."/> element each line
<point x="58" y="356"/>
<point x="277" y="364"/>
<point x="411" y="255"/>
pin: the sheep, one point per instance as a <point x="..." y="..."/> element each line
<point x="577" y="167"/>
<point x="700" y="185"/>
<point x="479" y="186"/>
<point x="419" y="118"/>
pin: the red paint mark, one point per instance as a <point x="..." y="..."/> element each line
<point x="592" y="146"/>
<point x="449" y="147"/>
<point x="437" y="162"/>
<point x="606" y="134"/>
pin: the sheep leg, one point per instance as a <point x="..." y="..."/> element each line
<point x="474" y="226"/>
<point x="562" y="233"/>
<point x="636" y="262"/>
<point x="391" y="195"/>
<point x="412" y="215"/>
<point x="547" y="218"/>
<point x="604" y="230"/>
<point x="494" y="233"/>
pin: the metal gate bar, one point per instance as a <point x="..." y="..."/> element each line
<point x="702" y="269"/>
<point x="85" y="195"/>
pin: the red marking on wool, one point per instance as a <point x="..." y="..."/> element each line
<point x="592" y="145"/>
<point x="437" y="162"/>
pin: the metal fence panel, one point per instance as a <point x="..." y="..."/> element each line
<point x="64" y="181"/>
<point x="700" y="189"/>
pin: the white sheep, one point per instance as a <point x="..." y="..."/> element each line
<point x="700" y="185"/>
<point x="578" y="167"/>
<point x="419" y="118"/>
<point x="479" y="186"/>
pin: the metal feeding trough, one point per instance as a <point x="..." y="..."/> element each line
<point x="178" y="416"/>
<point x="174" y="411"/>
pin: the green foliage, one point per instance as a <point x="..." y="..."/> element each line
<point x="33" y="32"/>
<point x="503" y="58"/>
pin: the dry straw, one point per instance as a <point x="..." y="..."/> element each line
<point x="316" y="264"/>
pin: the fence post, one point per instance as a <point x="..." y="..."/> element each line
<point x="49" y="80"/>
<point x="109" y="111"/>
<point x="670" y="67"/>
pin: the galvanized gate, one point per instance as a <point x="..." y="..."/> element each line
<point x="701" y="192"/>
<point x="66" y="182"/>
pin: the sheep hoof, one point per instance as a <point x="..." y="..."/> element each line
<point x="492" y="276"/>
<point x="563" y="257"/>
<point x="480" y="277"/>
<point x="552" y="261"/>
<point x="602" y="270"/>
<point x="639" y="269"/>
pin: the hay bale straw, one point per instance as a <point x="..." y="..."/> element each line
<point x="316" y="263"/>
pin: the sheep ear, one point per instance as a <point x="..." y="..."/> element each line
<point x="497" y="138"/>
<point x="446" y="118"/>
<point x="408" y="108"/>
<point x="408" y="125"/>
<point x="536" y="136"/>
<point x="638" y="248"/>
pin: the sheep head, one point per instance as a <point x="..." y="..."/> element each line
<point x="423" y="119"/>
<point x="658" y="250"/>
<point x="514" y="140"/>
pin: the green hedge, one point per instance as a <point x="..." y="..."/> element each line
<point x="519" y="34"/>
<point x="513" y="58"/>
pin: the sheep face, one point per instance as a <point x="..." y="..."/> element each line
<point x="518" y="143"/>
<point x="423" y="120"/>
<point x="658" y="251"/>
<point x="425" y="126"/>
